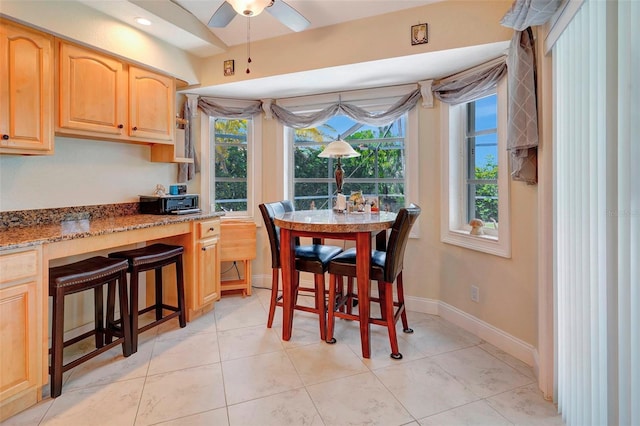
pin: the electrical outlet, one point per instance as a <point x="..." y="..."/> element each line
<point x="475" y="293"/>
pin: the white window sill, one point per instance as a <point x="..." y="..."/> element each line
<point x="485" y="243"/>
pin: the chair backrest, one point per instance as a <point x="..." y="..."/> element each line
<point x="398" y="241"/>
<point x="269" y="211"/>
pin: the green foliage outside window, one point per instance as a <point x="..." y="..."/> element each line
<point x="486" y="195"/>
<point x="378" y="171"/>
<point x="230" y="164"/>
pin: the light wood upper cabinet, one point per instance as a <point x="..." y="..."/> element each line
<point x="151" y="105"/>
<point x="101" y="97"/>
<point x="26" y="90"/>
<point x="92" y="92"/>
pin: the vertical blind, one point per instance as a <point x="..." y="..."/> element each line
<point x="597" y="215"/>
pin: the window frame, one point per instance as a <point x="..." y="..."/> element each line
<point x="254" y="158"/>
<point x="454" y="228"/>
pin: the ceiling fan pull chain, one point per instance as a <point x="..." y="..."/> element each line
<point x="248" y="43"/>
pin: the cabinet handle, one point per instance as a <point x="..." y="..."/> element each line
<point x="135" y="128"/>
<point x="212" y="229"/>
<point x="120" y="126"/>
<point x="205" y="248"/>
<point x="5" y="137"/>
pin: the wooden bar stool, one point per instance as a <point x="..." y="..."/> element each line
<point x="153" y="257"/>
<point x="87" y="274"/>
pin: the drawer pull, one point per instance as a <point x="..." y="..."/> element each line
<point x="212" y="229"/>
<point x="5" y="137"/>
<point x="120" y="126"/>
<point x="135" y="128"/>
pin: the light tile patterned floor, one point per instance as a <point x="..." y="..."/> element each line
<point x="227" y="368"/>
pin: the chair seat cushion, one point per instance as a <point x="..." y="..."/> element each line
<point x="149" y="254"/>
<point x="345" y="264"/>
<point x="89" y="271"/>
<point x="315" y="258"/>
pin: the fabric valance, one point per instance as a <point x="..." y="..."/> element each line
<point x="301" y="121"/>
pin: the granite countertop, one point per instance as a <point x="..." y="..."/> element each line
<point x="50" y="232"/>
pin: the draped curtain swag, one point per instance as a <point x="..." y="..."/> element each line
<point x="522" y="127"/>
<point x="301" y="121"/>
<point x="187" y="171"/>
<point x="527" y="13"/>
<point x="213" y="109"/>
<point x="471" y="84"/>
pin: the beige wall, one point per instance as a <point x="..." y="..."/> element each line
<point x="88" y="172"/>
<point x="452" y="24"/>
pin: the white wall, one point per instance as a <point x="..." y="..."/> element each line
<point x="81" y="172"/>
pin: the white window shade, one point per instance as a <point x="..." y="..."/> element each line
<point x="597" y="215"/>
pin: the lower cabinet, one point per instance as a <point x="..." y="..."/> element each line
<point x="21" y="328"/>
<point x="208" y="263"/>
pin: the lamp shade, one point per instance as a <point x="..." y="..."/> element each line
<point x="339" y="149"/>
<point x="249" y="7"/>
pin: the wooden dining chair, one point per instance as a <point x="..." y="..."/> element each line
<point x="313" y="258"/>
<point x="386" y="268"/>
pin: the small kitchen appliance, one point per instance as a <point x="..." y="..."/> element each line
<point x="169" y="204"/>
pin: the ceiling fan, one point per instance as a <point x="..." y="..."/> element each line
<point x="278" y="8"/>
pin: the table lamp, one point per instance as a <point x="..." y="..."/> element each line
<point x="339" y="149"/>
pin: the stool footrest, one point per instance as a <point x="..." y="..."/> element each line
<point x="76" y="339"/>
<point x="158" y="322"/>
<point x="163" y="306"/>
<point x="96" y="352"/>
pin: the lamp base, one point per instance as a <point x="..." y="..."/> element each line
<point x="339" y="176"/>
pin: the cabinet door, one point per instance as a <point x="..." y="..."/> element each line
<point x="151" y="105"/>
<point x="18" y="358"/>
<point x="93" y="92"/>
<point x="208" y="274"/>
<point x="21" y="331"/>
<point x="26" y="90"/>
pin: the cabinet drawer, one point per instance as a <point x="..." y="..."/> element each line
<point x="18" y="265"/>
<point x="208" y="228"/>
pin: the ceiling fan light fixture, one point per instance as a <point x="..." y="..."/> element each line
<point x="249" y="7"/>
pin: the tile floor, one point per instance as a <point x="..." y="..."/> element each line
<point x="227" y="368"/>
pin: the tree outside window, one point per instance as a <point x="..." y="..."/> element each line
<point x="229" y="164"/>
<point x="379" y="171"/>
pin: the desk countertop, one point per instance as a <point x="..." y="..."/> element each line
<point x="18" y="237"/>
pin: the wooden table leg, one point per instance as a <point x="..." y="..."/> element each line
<point x="363" y="260"/>
<point x="287" y="262"/>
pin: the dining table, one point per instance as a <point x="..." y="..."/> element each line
<point x="334" y="225"/>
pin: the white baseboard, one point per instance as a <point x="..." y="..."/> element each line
<point x="487" y="332"/>
<point x="263" y="280"/>
<point x="420" y="304"/>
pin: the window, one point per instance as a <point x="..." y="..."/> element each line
<point x="482" y="162"/>
<point x="228" y="182"/>
<point x="379" y="171"/>
<point x="229" y="161"/>
<point x="475" y="173"/>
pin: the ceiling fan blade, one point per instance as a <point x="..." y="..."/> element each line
<point x="222" y="16"/>
<point x="288" y="15"/>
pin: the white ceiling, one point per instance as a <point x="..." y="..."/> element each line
<point x="183" y="23"/>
